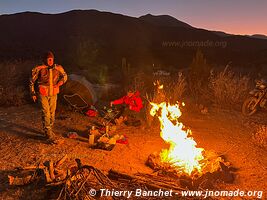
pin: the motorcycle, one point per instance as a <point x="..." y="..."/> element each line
<point x="256" y="100"/>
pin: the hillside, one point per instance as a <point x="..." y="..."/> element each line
<point x="90" y="37"/>
<point x="164" y="20"/>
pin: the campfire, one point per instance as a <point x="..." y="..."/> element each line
<point x="183" y="155"/>
<point x="184" y="158"/>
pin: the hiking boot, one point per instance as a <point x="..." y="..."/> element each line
<point x="48" y="133"/>
<point x="51" y="138"/>
<point x="55" y="141"/>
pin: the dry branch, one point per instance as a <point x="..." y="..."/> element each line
<point x="51" y="170"/>
<point x="150" y="181"/>
<point x="61" y="161"/>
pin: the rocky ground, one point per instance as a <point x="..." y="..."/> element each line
<point x="225" y="132"/>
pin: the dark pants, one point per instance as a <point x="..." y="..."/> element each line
<point x="132" y="117"/>
<point x="132" y="114"/>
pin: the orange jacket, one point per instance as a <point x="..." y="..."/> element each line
<point x="49" y="79"/>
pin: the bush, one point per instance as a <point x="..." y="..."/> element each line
<point x="157" y="96"/>
<point x="170" y="91"/>
<point x="14" y="96"/>
<point x="228" y="89"/>
<point x="199" y="71"/>
<point x="14" y="81"/>
<point x="177" y="88"/>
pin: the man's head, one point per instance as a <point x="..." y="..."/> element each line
<point x="130" y="92"/>
<point x="49" y="58"/>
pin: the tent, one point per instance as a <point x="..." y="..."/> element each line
<point x="79" y="92"/>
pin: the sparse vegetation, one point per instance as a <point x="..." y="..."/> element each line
<point x="14" y="96"/>
<point x="177" y="88"/>
<point x="14" y="82"/>
<point x="228" y="88"/>
<point x="199" y="71"/>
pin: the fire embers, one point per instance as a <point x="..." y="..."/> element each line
<point x="214" y="171"/>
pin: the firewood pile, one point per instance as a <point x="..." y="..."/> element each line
<point x="76" y="182"/>
<point x="216" y="171"/>
<point x="79" y="185"/>
<point x="49" y="172"/>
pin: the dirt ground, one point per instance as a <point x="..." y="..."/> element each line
<point x="222" y="131"/>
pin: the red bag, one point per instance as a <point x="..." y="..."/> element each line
<point x="91" y="113"/>
<point x="124" y="140"/>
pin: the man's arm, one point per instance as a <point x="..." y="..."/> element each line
<point x="63" y="75"/>
<point x="33" y="78"/>
<point x="118" y="101"/>
<point x="138" y="105"/>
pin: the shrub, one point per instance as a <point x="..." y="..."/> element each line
<point x="14" y="96"/>
<point x="157" y="95"/>
<point x="198" y="76"/>
<point x="168" y="89"/>
<point x="177" y="88"/>
<point x="14" y="82"/>
<point x="228" y="89"/>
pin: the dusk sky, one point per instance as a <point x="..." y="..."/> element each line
<point x="236" y="16"/>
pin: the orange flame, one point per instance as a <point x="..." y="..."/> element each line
<point x="183" y="153"/>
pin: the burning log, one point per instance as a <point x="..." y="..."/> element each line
<point x="211" y="175"/>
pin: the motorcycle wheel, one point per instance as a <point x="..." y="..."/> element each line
<point x="247" y="107"/>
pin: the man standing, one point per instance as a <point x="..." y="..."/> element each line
<point x="50" y="77"/>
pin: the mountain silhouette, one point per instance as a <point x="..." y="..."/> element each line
<point x="259" y="36"/>
<point x="90" y="37"/>
<point x="164" y="20"/>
